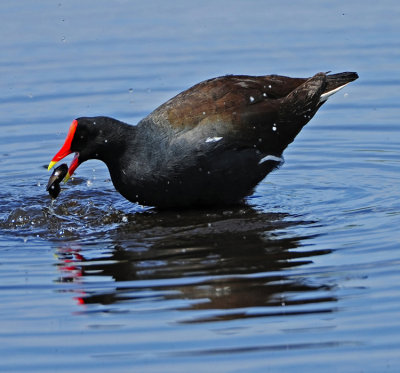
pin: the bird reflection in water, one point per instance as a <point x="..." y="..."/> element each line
<point x="236" y="264"/>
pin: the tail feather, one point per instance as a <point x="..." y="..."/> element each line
<point x="335" y="82"/>
<point x="300" y="105"/>
<point x="326" y="95"/>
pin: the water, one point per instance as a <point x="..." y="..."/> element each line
<point x="304" y="277"/>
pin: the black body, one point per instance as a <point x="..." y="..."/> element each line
<point x="209" y="145"/>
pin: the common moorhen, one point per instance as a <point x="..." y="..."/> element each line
<point x="209" y="145"/>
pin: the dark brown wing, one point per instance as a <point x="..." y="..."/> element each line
<point x="224" y="99"/>
<point x="267" y="110"/>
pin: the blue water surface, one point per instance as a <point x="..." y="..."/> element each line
<point x="304" y="277"/>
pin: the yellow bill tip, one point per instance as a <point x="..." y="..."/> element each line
<point x="51" y="164"/>
<point x="66" y="178"/>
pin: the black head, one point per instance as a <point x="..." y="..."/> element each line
<point x="91" y="138"/>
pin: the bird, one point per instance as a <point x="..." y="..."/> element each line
<point x="210" y="145"/>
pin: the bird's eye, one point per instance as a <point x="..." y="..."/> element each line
<point x="80" y="140"/>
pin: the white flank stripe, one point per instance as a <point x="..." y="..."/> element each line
<point x="270" y="158"/>
<point x="213" y="139"/>
<point x="326" y="95"/>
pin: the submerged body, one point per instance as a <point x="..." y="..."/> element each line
<point x="209" y="145"/>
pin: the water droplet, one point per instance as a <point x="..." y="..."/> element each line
<point x="270" y="86"/>
<point x="209" y="225"/>
<point x="264" y="94"/>
<point x="251" y="99"/>
<point x="204" y="113"/>
<point x="260" y="139"/>
<point x="106" y="141"/>
<point x="274" y="127"/>
<point x="124" y="219"/>
<point x="89" y="183"/>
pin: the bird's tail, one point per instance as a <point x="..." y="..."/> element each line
<point x="335" y="82"/>
<point x="300" y="105"/>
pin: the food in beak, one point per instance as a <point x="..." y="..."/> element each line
<point x="53" y="185"/>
